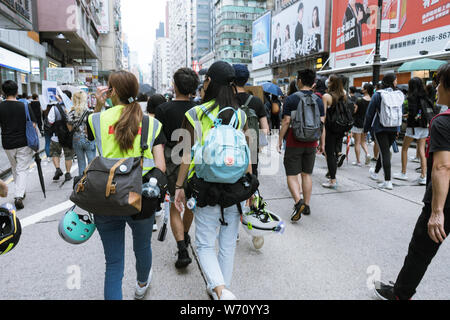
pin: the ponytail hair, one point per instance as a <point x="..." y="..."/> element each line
<point x="127" y="127"/>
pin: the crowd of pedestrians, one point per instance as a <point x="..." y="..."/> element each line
<point x="314" y="119"/>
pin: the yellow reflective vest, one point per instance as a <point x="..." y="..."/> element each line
<point x="202" y="124"/>
<point x="102" y="126"/>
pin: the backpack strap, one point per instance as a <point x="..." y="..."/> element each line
<point x="248" y="101"/>
<point x="144" y="134"/>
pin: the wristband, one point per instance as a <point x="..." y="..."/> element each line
<point x="177" y="187"/>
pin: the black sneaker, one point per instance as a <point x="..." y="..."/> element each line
<point x="183" y="259"/>
<point x="58" y="174"/>
<point x="298" y="210"/>
<point x="67" y="177"/>
<point x="307" y="211"/>
<point x="18" y="202"/>
<point x="341" y="160"/>
<point x="385" y="291"/>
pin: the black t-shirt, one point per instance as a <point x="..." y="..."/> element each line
<point x="256" y="104"/>
<point x="440" y="141"/>
<point x="171" y="115"/>
<point x="13" y="123"/>
<point x="360" y="114"/>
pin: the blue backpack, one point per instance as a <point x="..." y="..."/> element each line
<point x="225" y="156"/>
<point x="31" y="132"/>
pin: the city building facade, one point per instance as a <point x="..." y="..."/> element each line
<point x="161" y="72"/>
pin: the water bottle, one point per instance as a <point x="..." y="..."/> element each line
<point x="150" y="189"/>
<point x="395" y="147"/>
<point x="192" y="204"/>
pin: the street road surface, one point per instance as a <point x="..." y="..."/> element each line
<point x="354" y="235"/>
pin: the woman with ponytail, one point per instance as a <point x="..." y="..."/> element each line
<point x="119" y="131"/>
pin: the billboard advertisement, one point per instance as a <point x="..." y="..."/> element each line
<point x="261" y="42"/>
<point x="299" y="30"/>
<point x="104" y="27"/>
<point x="408" y="27"/>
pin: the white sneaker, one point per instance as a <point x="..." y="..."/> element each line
<point x="227" y="295"/>
<point x="356" y="164"/>
<point x="140" y="292"/>
<point x="373" y="175"/>
<point x="386" y="185"/>
<point x="212" y="293"/>
<point x="401" y="176"/>
<point x="414" y="159"/>
<point x="422" y="181"/>
<point x="155" y="227"/>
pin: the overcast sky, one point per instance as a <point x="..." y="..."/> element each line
<point x="140" y="19"/>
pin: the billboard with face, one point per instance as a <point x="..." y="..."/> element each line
<point x="299" y="30"/>
<point x="408" y="27"/>
<point x="261" y="42"/>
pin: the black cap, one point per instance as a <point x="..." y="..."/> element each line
<point x="222" y="72"/>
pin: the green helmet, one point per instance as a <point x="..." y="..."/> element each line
<point x="75" y="228"/>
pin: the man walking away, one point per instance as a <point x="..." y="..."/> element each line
<point x="242" y="76"/>
<point x="14" y="139"/>
<point x="433" y="225"/>
<point x="171" y="115"/>
<point x="58" y="114"/>
<point x="300" y="157"/>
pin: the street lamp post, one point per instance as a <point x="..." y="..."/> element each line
<point x="377" y="56"/>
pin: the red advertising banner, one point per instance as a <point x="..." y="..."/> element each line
<point x="408" y="27"/>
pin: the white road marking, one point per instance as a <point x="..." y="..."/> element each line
<point x="46" y="213"/>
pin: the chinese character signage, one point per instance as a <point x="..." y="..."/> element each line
<point x="408" y="27"/>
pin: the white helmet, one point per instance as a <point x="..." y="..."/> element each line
<point x="259" y="222"/>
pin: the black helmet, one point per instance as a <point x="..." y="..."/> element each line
<point x="10" y="228"/>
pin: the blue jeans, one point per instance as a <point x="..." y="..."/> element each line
<point x="83" y="148"/>
<point x="218" y="269"/>
<point x="112" y="233"/>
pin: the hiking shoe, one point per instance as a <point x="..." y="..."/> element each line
<point x="329" y="185"/>
<point x="140" y="292"/>
<point x="183" y="259"/>
<point x="385" y="291"/>
<point x="58" y="174"/>
<point x="386" y="185"/>
<point x="341" y="160"/>
<point x="18" y="202"/>
<point x="298" y="210"/>
<point x="67" y="177"/>
<point x="373" y="174"/>
<point x="401" y="176"/>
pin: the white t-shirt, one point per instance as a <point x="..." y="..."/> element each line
<point x="53" y="116"/>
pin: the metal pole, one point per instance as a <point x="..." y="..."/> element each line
<point x="377" y="56"/>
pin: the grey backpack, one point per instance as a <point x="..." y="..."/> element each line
<point x="113" y="187"/>
<point x="306" y="123"/>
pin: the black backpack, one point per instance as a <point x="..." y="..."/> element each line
<point x="306" y="123"/>
<point x="65" y="137"/>
<point x="340" y="117"/>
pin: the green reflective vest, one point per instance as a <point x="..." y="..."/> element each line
<point x="102" y="126"/>
<point x="202" y="124"/>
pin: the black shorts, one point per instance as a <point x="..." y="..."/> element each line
<point x="299" y="160"/>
